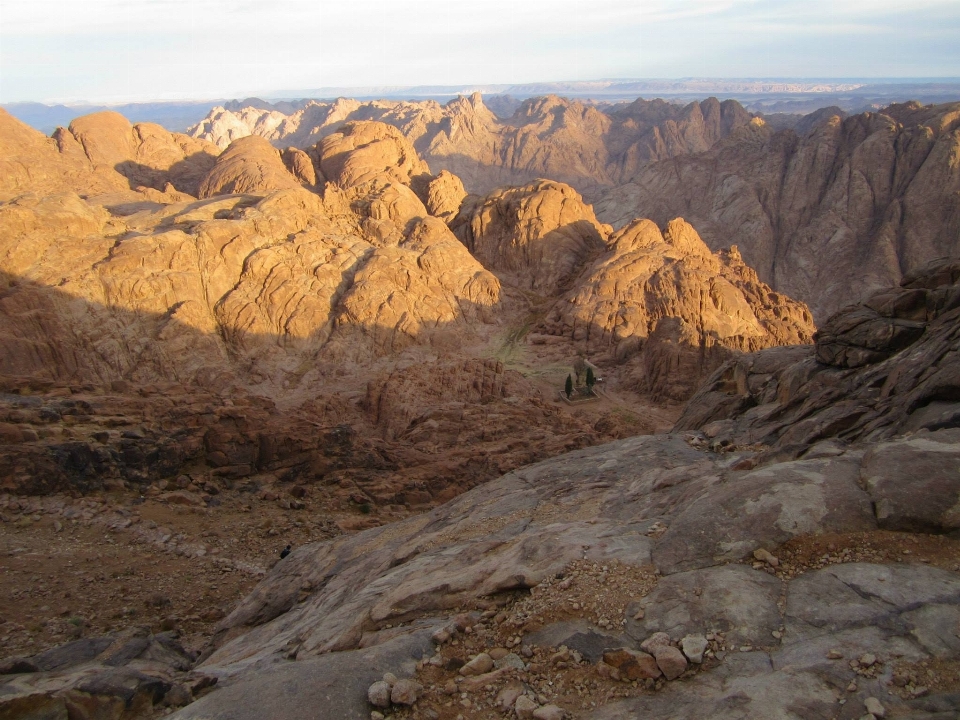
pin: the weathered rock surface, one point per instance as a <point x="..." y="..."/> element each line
<point x="250" y="165"/>
<point x="100" y="153"/>
<point x="539" y="235"/>
<point x="679" y="308"/>
<point x="732" y="599"/>
<point x="329" y="686"/>
<point x="826" y="214"/>
<point x="100" y="677"/>
<point x="862" y="380"/>
<point x="545" y="137"/>
<point x="599" y="503"/>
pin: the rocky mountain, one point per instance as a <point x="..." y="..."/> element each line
<point x="826" y="213"/>
<point x="100" y="154"/>
<point x="545" y="137"/>
<point x="326" y="282"/>
<point x="881" y="369"/>
<point x="827" y="208"/>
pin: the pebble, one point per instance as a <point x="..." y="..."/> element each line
<point x="524" y="707"/>
<point x="670" y="661"/>
<point x="405" y="692"/>
<point x="507" y="697"/>
<point x="834" y="655"/>
<point x="631" y="664"/>
<point x="658" y="639"/>
<point x="693" y="647"/>
<point x="510" y="660"/>
<point x="548" y="712"/>
<point x="481" y="664"/>
<point x="868" y="659"/>
<point x="767" y="557"/>
<point x="874" y="707"/>
<point x="379" y="694"/>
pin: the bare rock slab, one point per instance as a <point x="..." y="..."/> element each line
<point x="734" y="599"/>
<point x="328" y="687"/>
<point x="858" y="595"/>
<point x="915" y="482"/>
<point x="766" y="507"/>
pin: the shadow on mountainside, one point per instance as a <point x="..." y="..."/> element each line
<point x="184" y="175"/>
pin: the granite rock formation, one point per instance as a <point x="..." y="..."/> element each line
<point x="674" y="310"/>
<point x="545" y="137"/>
<point x="826" y="213"/>
<point x="249" y="165"/>
<point x="538" y="235"/>
<point x="98" y="154"/>
<point x="884" y="368"/>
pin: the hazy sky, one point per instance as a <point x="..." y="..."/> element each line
<point x="118" y="50"/>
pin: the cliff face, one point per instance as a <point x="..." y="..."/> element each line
<point x="545" y="137"/>
<point x="826" y="211"/>
<point x="886" y="367"/>
<point x="100" y="153"/>
<point x="826" y="216"/>
<point x="671" y="310"/>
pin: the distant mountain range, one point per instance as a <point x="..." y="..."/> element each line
<point x="767" y="95"/>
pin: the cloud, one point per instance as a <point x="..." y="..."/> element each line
<point x="123" y="48"/>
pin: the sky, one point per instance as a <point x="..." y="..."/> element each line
<point x="137" y="50"/>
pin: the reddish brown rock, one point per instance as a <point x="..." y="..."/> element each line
<point x="249" y="165"/>
<point x="539" y="235"/>
<point x="632" y="664"/>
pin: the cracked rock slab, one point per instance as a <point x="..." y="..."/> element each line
<point x="734" y="599"/>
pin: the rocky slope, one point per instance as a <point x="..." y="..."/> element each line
<point x="333" y="349"/>
<point x="884" y="368"/>
<point x="708" y="548"/>
<point x="97" y="154"/>
<point x="545" y="137"/>
<point x="826" y="213"/>
<point x="643" y="576"/>
<point x="671" y="309"/>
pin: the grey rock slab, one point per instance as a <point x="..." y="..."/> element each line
<point x="811" y="654"/>
<point x="785" y="695"/>
<point x="856" y="595"/>
<point x="765" y="508"/>
<point x="936" y="629"/>
<point x="586" y="639"/>
<point x="735" y="599"/>
<point x="915" y="482"/>
<point x="509" y="534"/>
<point x="72" y="653"/>
<point x="328" y="687"/>
<point x="693" y="647"/>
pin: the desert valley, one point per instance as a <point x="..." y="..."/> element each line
<point x="560" y="409"/>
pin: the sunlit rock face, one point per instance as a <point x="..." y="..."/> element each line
<point x="828" y="212"/>
<point x="248" y="284"/>
<point x="663" y="303"/>
<point x="271" y="275"/>
<point x="545" y="137"/>
<point x="539" y="235"/>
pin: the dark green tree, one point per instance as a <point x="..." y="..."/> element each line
<point x="591" y="379"/>
<point x="568" y="388"/>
